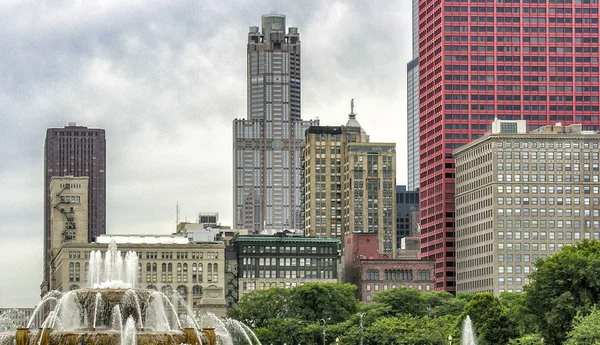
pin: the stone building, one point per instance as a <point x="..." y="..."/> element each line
<point x="196" y="270"/>
<point x="522" y="196"/>
<point x="373" y="272"/>
<point x="285" y="261"/>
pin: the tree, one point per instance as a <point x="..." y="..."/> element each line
<point x="332" y="302"/>
<point x="518" y="313"/>
<point x="441" y="303"/>
<point x="562" y="286"/>
<point x="403" y="301"/>
<point x="586" y="329"/>
<point x="257" y="308"/>
<point x="407" y="330"/>
<point x="490" y="322"/>
<point x="529" y="339"/>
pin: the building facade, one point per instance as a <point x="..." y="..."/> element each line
<point x="75" y="151"/>
<point x="324" y="159"/>
<point x="265" y="262"/>
<point x="517" y="60"/>
<point x="195" y="270"/>
<point x="369" y="198"/>
<point x="407" y="202"/>
<point x="267" y="146"/>
<point x="68" y="218"/>
<point x="412" y="116"/>
<point x="372" y="272"/>
<point x="522" y="196"/>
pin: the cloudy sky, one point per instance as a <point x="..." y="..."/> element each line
<point x="166" y="79"/>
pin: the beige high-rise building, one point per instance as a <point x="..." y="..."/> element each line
<point x="349" y="184"/>
<point x="68" y="212"/>
<point x="522" y="196"/>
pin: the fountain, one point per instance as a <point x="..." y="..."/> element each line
<point x="468" y="338"/>
<point x="113" y="311"/>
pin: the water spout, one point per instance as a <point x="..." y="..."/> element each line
<point x="468" y="337"/>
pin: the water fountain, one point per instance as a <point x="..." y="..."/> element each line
<point x="468" y="337"/>
<point x="113" y="311"/>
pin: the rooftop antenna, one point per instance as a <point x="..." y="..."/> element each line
<point x="177" y="213"/>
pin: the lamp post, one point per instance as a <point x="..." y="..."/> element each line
<point x="337" y="340"/>
<point x="324" y="334"/>
<point x="450" y="339"/>
<point x="361" y="327"/>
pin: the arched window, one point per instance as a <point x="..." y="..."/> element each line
<point x="154" y="267"/>
<point x="163" y="268"/>
<point x="77" y="271"/>
<point x="167" y="290"/>
<point x="194" y="267"/>
<point x="209" y="273"/>
<point x="215" y="273"/>
<point x="185" y="267"/>
<point x="197" y="290"/>
<point x="148" y="267"/>
<point x="71" y="272"/>
<point x="179" y="267"/>
<point x="152" y="287"/>
<point x="170" y="267"/>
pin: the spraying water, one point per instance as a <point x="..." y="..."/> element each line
<point x="468" y="338"/>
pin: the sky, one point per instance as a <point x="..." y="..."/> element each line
<point x="166" y="79"/>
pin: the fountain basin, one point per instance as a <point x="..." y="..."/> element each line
<point x="24" y="337"/>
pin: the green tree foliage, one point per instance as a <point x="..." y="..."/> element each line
<point x="407" y="330"/>
<point x="329" y="301"/>
<point x="402" y="301"/>
<point x="586" y="329"/>
<point x="518" y="313"/>
<point x="563" y="285"/>
<point x="489" y="319"/>
<point x="442" y="303"/>
<point x="529" y="339"/>
<point x="257" y="308"/>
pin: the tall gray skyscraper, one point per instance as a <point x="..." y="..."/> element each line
<point x="412" y="104"/>
<point x="267" y="146"/>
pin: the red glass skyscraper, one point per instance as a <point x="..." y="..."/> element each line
<point x="535" y="60"/>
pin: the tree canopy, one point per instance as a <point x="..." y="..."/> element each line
<point x="562" y="286"/>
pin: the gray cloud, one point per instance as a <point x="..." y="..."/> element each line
<point x="166" y="79"/>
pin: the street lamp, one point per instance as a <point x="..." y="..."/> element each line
<point x="324" y="334"/>
<point x="450" y="339"/>
<point x="337" y="340"/>
<point x="361" y="327"/>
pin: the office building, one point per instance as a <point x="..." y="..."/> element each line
<point x="519" y="60"/>
<point x="412" y="104"/>
<point x="522" y="196"/>
<point x="75" y="151"/>
<point x="324" y="159"/>
<point x="283" y="260"/>
<point x="267" y="146"/>
<point x="407" y="202"/>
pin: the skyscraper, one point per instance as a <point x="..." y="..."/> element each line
<point x="75" y="151"/>
<point x="267" y="146"/>
<point x="514" y="60"/>
<point x="325" y="158"/>
<point x="412" y="104"/>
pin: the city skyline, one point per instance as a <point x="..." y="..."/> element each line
<point x="147" y="75"/>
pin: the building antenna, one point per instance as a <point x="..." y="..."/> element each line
<point x="177" y="213"/>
